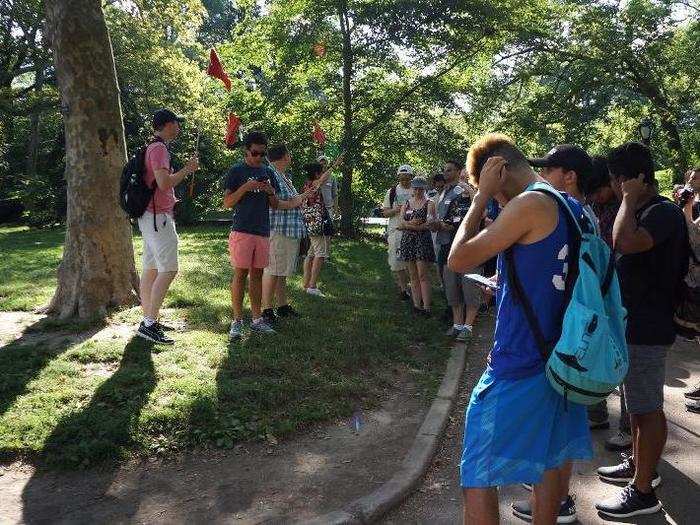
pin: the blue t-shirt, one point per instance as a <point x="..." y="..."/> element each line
<point x="542" y="269"/>
<point x="252" y="213"/>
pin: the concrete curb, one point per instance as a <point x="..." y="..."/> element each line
<point x="371" y="507"/>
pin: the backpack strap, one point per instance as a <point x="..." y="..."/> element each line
<point x="155" y="183"/>
<point x="392" y="196"/>
<point x="545" y="347"/>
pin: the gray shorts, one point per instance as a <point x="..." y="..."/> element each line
<point x="644" y="384"/>
<point x="461" y="291"/>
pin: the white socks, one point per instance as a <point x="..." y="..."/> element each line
<point x="148" y="321"/>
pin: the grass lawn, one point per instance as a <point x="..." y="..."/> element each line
<point x="71" y="404"/>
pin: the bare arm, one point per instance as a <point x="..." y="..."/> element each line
<point x="628" y="237"/>
<point x="472" y="248"/>
<point x="167" y="180"/>
<point x="294" y="202"/>
<point x="231" y="198"/>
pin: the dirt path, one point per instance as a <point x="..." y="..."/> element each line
<point x="438" y="499"/>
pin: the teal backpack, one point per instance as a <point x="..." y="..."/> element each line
<point x="590" y="358"/>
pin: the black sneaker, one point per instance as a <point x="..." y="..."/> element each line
<point x="567" y="511"/>
<point x="404" y="295"/>
<point x="152" y="333"/>
<point x="629" y="502"/>
<point x="693" y="394"/>
<point x="287" y="311"/>
<point x="164" y="327"/>
<point x="624" y="472"/>
<point x="269" y="315"/>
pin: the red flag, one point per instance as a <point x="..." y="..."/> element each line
<point x="318" y="135"/>
<point x="234" y="123"/>
<point x="216" y="70"/>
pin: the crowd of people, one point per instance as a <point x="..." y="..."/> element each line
<point x="483" y="218"/>
<point x="271" y="224"/>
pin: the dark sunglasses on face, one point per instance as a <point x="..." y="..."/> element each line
<point x="254" y="153"/>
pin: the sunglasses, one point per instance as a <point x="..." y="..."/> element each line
<point x="257" y="153"/>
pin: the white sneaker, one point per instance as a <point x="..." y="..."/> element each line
<point x="315" y="291"/>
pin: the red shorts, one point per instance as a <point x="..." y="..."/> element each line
<point x="248" y="251"/>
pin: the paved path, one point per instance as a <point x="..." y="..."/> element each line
<point x="438" y="499"/>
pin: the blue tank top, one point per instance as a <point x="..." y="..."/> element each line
<point x="542" y="269"/>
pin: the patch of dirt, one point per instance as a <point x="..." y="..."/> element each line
<point x="301" y="478"/>
<point x="13" y="325"/>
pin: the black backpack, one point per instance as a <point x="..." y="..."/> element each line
<point x="134" y="194"/>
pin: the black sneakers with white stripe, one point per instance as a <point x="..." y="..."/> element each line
<point x="154" y="333"/>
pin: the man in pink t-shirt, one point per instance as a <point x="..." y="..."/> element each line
<point x="157" y="224"/>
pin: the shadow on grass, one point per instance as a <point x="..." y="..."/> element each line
<point x="22" y="360"/>
<point x="101" y="431"/>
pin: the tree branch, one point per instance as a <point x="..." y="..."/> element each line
<point x="392" y="107"/>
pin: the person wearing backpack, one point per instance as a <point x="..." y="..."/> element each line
<point x="651" y="240"/>
<point x="157" y="224"/>
<point x="518" y="429"/>
<point x="395" y="198"/>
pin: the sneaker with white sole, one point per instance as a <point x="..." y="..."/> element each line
<point x="567" y="511"/>
<point x="236" y="331"/>
<point x="624" y="472"/>
<point x="315" y="291"/>
<point x="464" y="335"/>
<point x="154" y="334"/>
<point x="620" y="441"/>
<point x="629" y="502"/>
<point x="261" y="326"/>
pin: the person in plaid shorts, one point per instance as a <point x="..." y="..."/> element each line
<point x="287" y="228"/>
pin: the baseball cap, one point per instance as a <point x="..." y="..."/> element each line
<point x="568" y="157"/>
<point x="405" y="169"/>
<point x="163" y="116"/>
<point x="419" y="182"/>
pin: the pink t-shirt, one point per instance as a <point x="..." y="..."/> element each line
<point x="157" y="157"/>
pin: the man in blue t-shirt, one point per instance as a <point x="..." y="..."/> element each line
<point x="518" y="428"/>
<point x="251" y="188"/>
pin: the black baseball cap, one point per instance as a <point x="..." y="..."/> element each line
<point x="163" y="116"/>
<point x="568" y="157"/>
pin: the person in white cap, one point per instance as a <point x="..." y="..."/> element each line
<point x="395" y="198"/>
<point x="329" y="189"/>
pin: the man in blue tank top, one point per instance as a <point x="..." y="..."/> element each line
<point x="518" y="429"/>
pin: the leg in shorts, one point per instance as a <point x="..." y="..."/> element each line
<point x="159" y="247"/>
<point x="394" y="241"/>
<point x="283" y="255"/>
<point x="644" y="384"/>
<point x="320" y="246"/>
<point x="248" y="251"/>
<point x="461" y="291"/>
<point x="516" y="429"/>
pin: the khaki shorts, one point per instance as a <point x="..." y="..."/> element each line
<point x="283" y="255"/>
<point x="394" y="240"/>
<point x="320" y="247"/>
<point x="159" y="247"/>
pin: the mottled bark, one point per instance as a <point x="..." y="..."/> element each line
<point x="97" y="270"/>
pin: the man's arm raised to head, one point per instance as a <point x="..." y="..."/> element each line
<point x="517" y="219"/>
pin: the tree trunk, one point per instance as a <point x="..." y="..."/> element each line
<point x="97" y="270"/>
<point x="33" y="144"/>
<point x="679" y="158"/>
<point x="346" y="200"/>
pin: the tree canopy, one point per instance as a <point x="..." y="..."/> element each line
<point x="390" y="81"/>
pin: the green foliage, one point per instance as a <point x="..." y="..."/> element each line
<point x="425" y="78"/>
<point x="76" y="401"/>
